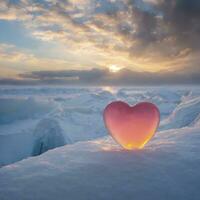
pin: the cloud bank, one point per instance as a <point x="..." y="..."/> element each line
<point x="155" y="40"/>
<point x="100" y="77"/>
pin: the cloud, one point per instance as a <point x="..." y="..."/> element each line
<point x="14" y="60"/>
<point x="183" y="18"/>
<point x="138" y="22"/>
<point x="9" y="53"/>
<point x="141" y="35"/>
<point x="100" y="77"/>
<point x="16" y="10"/>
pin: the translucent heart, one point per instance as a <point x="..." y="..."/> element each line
<point x="131" y="126"/>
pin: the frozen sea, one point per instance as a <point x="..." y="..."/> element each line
<point x="53" y="145"/>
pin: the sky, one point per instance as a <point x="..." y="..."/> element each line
<point x="100" y="42"/>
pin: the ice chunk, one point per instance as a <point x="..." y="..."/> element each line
<point x="47" y="135"/>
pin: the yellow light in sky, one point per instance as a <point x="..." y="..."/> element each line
<point x="114" y="68"/>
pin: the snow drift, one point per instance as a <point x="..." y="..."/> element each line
<point x="167" y="168"/>
<point x="47" y="135"/>
<point x="36" y="119"/>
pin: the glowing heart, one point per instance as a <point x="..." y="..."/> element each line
<point x="131" y="127"/>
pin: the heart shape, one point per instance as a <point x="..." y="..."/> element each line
<point x="131" y="126"/>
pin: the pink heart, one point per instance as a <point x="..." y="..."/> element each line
<point x="131" y="126"/>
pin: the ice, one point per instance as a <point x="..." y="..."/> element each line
<point x="60" y="115"/>
<point x="185" y="114"/>
<point x="20" y="109"/>
<point x="48" y="117"/>
<point x="35" y="123"/>
<point x="168" y="168"/>
<point x="14" y="147"/>
<point x="48" y="135"/>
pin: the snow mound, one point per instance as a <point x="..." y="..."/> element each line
<point x="185" y="114"/>
<point x="167" y="168"/>
<point x="36" y="119"/>
<point x="12" y="110"/>
<point x="39" y="138"/>
<point x="47" y="135"/>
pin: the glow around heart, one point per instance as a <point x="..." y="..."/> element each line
<point x="131" y="126"/>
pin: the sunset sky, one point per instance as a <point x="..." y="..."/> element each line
<point x="100" y="42"/>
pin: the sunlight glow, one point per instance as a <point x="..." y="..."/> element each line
<point x="114" y="68"/>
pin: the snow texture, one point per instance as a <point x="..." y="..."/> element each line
<point x="91" y="165"/>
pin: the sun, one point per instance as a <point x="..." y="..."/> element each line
<point x="114" y="68"/>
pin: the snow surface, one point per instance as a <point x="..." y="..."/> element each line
<point x="91" y="165"/>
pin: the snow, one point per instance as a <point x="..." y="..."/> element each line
<point x="19" y="109"/>
<point x="185" y="114"/>
<point x="168" y="168"/>
<point x="91" y="165"/>
<point x="48" y="135"/>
